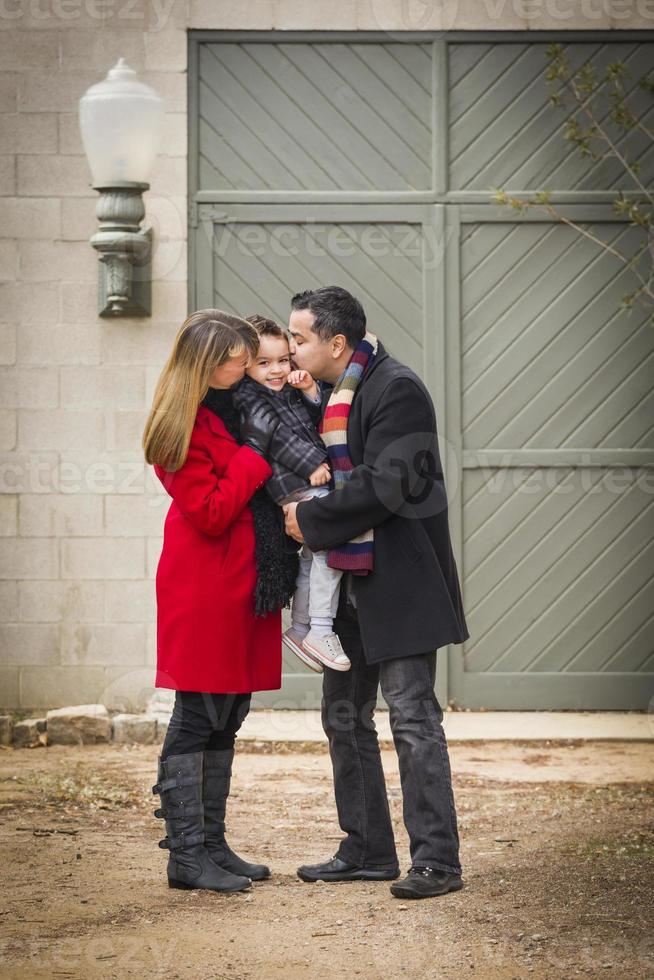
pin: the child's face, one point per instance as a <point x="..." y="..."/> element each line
<point x="272" y="365"/>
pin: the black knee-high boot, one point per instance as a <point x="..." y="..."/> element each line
<point x="189" y="864"/>
<point x="217" y="778"/>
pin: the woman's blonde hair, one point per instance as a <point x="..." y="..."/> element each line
<point x="206" y="339"/>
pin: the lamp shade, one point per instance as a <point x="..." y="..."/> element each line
<point x="120" y="121"/>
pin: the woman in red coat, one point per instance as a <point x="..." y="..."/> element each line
<point x="225" y="571"/>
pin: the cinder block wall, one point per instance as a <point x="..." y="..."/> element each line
<point x="80" y="514"/>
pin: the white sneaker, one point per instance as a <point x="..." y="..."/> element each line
<point x="294" y="643"/>
<point x="327" y="649"/>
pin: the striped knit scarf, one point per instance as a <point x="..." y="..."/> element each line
<point x="356" y="555"/>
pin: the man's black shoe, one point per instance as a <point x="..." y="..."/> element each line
<point x="338" y="870"/>
<point x="425" y="883"/>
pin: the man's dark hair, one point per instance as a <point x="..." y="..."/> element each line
<point x="335" y="311"/>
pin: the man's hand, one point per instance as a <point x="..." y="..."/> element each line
<point x="303" y="380"/>
<point x="321" y="475"/>
<point x="292" y="526"/>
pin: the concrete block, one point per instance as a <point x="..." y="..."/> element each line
<point x="28" y="472"/>
<point x="29" y="558"/>
<point x="102" y="472"/>
<point x="56" y="16"/>
<point x="83" y="724"/>
<point x="133" y="515"/>
<point x="79" y="304"/>
<point x="169" y="303"/>
<point x="57" y="262"/>
<point x="6" y="729"/>
<point x="31" y="132"/>
<point x="166" y="15"/>
<point x="29" y="217"/>
<point x="33" y="50"/>
<point x="30" y="733"/>
<point x="8" y="515"/>
<point x="155" y="545"/>
<point x="171" y="86"/>
<point x="29" y="643"/>
<point x="78" y="223"/>
<point x="169" y="261"/>
<point x="53" y="91"/>
<point x="8" y="91"/>
<point x="7" y="430"/>
<point x="623" y="14"/>
<point x="169" y="176"/>
<point x="166" y="50"/>
<point x="8" y="175"/>
<point x="162" y="15"/>
<point x="88" y="48"/>
<point x="9" y="602"/>
<point x="53" y="602"/>
<point x="10" y="686"/>
<point x="101" y="558"/>
<point x="151" y="641"/>
<point x="7" y="343"/>
<point x="125" y="430"/>
<point x="168" y="215"/>
<point x="32" y="303"/>
<point x="564" y="15"/>
<point x="53" y="176"/>
<point x="232" y="14"/>
<point x="103" y="644"/>
<point x="137" y="729"/>
<point x="65" y="343"/>
<point x="8" y="260"/>
<point x="152" y="375"/>
<point x="470" y="15"/>
<point x="60" y="515"/>
<point x="41" y="689"/>
<point x="127" y="689"/>
<point x="29" y="387"/>
<point x="300" y="15"/>
<point x="69" y="138"/>
<point x="84" y="387"/>
<point x="150" y="340"/>
<point x="60" y="429"/>
<point x="130" y="602"/>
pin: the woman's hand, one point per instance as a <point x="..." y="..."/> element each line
<point x="320" y="476"/>
<point x="257" y="429"/>
<point x="303" y="380"/>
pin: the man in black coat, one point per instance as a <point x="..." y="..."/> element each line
<point x="390" y="621"/>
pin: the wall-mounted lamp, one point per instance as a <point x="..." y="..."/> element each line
<point x="121" y="121"/>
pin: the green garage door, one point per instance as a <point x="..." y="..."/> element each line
<point x="368" y="163"/>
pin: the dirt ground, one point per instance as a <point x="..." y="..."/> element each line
<point x="557" y="848"/>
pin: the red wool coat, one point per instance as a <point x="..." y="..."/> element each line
<point x="208" y="638"/>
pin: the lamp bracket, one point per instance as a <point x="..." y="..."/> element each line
<point x="125" y="251"/>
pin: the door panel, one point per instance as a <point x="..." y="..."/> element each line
<point x="369" y="162"/>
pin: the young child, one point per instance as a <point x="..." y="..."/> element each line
<point x="298" y="458"/>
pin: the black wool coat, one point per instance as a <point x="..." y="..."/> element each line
<point x="411" y="601"/>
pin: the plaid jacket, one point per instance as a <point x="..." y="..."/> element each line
<point x="296" y="449"/>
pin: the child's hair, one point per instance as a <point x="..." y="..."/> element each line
<point x="266" y="327"/>
<point x="206" y="339"/>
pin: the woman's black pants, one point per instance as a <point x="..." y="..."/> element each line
<point x="204" y="721"/>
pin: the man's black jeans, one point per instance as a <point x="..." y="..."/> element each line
<point x="407" y="685"/>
